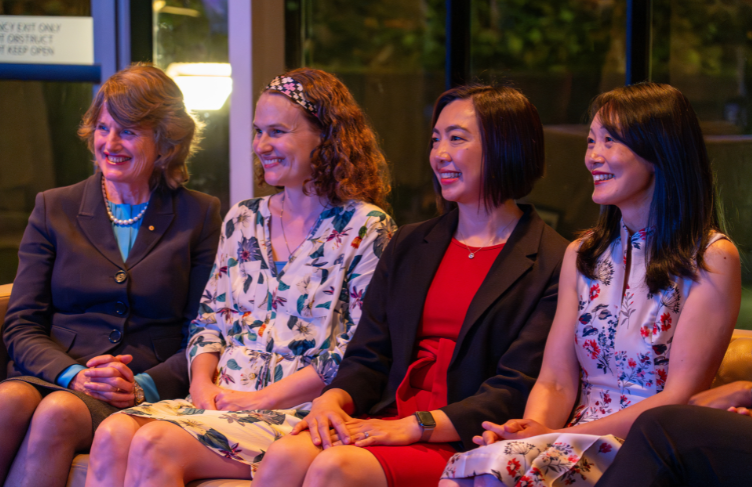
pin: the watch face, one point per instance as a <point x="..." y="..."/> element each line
<point x="425" y="419"/>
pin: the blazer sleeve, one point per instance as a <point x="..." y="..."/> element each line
<point x="27" y="323"/>
<point x="503" y="396"/>
<point x="171" y="376"/>
<point x="365" y="367"/>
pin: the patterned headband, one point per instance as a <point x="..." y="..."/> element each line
<point x="293" y="90"/>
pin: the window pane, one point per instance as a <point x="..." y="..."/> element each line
<point x="40" y="148"/>
<point x="190" y="41"/>
<point x="390" y="54"/>
<point x="560" y="54"/>
<point x="703" y="49"/>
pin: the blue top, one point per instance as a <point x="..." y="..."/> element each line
<point x="126" y="237"/>
<point x="126" y="234"/>
<point x="280" y="264"/>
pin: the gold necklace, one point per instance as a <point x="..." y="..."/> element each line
<point x="471" y="254"/>
<point x="282" y="224"/>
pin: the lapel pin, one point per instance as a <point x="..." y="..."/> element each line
<point x="151" y="228"/>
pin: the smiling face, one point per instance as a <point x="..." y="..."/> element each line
<point x="621" y="177"/>
<point x="284" y="141"/>
<point x="457" y="152"/>
<point x="124" y="155"/>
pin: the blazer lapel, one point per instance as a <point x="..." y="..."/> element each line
<point x="157" y="220"/>
<point x="94" y="222"/>
<point x="513" y="261"/>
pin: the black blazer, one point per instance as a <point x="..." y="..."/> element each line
<point x="500" y="346"/>
<point x="74" y="298"/>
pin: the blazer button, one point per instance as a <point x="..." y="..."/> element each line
<point x="120" y="277"/>
<point x="120" y="308"/>
<point x="115" y="336"/>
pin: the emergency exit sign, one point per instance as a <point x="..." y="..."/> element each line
<point x="46" y="40"/>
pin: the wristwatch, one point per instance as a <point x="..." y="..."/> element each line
<point x="138" y="391"/>
<point x="426" y="421"/>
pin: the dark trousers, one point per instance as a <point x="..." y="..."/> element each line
<point x="684" y="446"/>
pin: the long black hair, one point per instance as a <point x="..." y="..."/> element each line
<point x="657" y="122"/>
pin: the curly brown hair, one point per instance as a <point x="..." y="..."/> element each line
<point x="348" y="164"/>
<point x="143" y="96"/>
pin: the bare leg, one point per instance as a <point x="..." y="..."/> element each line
<point x="163" y="455"/>
<point x="345" y="466"/>
<point x="276" y="470"/>
<point x="60" y="427"/>
<point x="109" y="451"/>
<point x="18" y="400"/>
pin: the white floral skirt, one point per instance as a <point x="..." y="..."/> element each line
<point x="240" y="435"/>
<point x="555" y="459"/>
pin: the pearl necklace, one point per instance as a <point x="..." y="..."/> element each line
<point x="471" y="254"/>
<point x="114" y="220"/>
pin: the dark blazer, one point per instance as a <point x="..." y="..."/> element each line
<point x="74" y="298"/>
<point x="500" y="346"/>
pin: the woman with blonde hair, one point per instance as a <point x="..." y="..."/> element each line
<point x="283" y="301"/>
<point x="110" y="274"/>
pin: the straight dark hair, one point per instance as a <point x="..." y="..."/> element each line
<point x="512" y="141"/>
<point x="657" y="122"/>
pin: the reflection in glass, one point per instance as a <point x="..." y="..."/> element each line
<point x="39" y="146"/>
<point x="390" y="54"/>
<point x="190" y="42"/>
<point x="703" y="48"/>
<point x="560" y="54"/>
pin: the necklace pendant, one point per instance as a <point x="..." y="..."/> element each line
<point x="471" y="255"/>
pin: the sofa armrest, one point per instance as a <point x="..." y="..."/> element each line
<point x="4" y="298"/>
<point x="737" y="363"/>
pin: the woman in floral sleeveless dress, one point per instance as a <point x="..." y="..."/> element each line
<point x="653" y="285"/>
<point x="283" y="299"/>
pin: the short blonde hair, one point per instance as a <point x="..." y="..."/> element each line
<point x="143" y="96"/>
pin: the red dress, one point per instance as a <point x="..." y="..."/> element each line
<point x="424" y="388"/>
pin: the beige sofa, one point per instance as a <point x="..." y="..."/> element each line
<point x="737" y="365"/>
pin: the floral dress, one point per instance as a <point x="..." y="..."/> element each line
<point x="623" y="343"/>
<point x="267" y="325"/>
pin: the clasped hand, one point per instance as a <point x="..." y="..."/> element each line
<point x="514" y="429"/>
<point x="107" y="378"/>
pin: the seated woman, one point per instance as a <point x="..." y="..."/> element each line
<point x="113" y="265"/>
<point x="283" y="300"/>
<point x="431" y="357"/>
<point x="688" y="446"/>
<point x="653" y="283"/>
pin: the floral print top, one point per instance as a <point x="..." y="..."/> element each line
<point x="267" y="325"/>
<point x="623" y="343"/>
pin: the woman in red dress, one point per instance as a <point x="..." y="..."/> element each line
<point x="455" y="319"/>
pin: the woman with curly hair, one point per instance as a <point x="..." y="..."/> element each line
<point x="283" y="300"/>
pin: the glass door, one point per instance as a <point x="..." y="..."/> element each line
<point x="40" y="148"/>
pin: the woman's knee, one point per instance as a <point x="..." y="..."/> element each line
<point x="62" y="416"/>
<point x="114" y="434"/>
<point x="18" y="400"/>
<point x="153" y="444"/>
<point x="339" y="464"/>
<point x="299" y="447"/>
